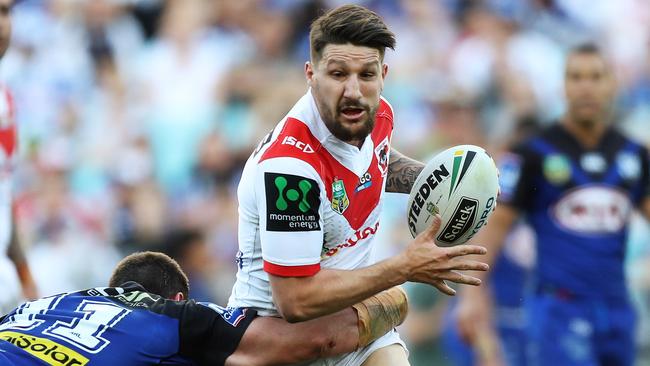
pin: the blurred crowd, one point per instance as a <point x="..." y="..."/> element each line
<point x="136" y="116"/>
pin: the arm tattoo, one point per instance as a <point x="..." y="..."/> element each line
<point x="402" y="172"/>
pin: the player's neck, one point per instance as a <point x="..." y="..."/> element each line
<point x="358" y="143"/>
<point x="588" y="136"/>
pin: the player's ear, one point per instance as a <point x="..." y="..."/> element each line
<point x="384" y="70"/>
<point x="309" y="72"/>
<point x="178" y="297"/>
<point x="613" y="83"/>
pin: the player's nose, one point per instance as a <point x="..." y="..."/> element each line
<point x="352" y="88"/>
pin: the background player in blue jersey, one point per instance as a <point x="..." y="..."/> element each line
<point x="143" y="319"/>
<point x="577" y="183"/>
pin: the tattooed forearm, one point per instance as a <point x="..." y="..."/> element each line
<point x="402" y="172"/>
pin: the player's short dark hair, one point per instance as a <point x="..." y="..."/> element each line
<point x="155" y="271"/>
<point x="350" y="24"/>
<point x="588" y="48"/>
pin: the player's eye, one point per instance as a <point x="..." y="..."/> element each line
<point x="574" y="77"/>
<point x="368" y="75"/>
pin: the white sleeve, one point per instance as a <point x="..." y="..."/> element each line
<point x="289" y="192"/>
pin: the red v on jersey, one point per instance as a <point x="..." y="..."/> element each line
<point x="296" y="140"/>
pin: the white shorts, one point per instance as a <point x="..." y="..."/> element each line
<point x="357" y="357"/>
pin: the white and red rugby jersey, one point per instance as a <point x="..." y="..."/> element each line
<point x="9" y="283"/>
<point x="308" y="200"/>
<point x="8" y="141"/>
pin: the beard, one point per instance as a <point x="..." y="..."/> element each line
<point x="586" y="123"/>
<point x="587" y="120"/>
<point x="342" y="130"/>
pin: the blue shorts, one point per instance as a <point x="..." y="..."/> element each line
<point x="569" y="331"/>
<point x="512" y="340"/>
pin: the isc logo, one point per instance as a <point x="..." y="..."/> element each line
<point x="290" y="140"/>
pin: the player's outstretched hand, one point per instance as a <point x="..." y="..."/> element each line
<point x="429" y="263"/>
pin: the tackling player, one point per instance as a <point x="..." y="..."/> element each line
<point x="577" y="183"/>
<point x="143" y="319"/>
<point x="15" y="278"/>
<point x="310" y="195"/>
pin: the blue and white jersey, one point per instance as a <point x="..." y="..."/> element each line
<point x="120" y="326"/>
<point x="578" y="202"/>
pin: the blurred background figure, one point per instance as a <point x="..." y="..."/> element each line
<point x="577" y="182"/>
<point x="135" y="117"/>
<point x="16" y="279"/>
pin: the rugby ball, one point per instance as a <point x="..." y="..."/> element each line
<point x="461" y="184"/>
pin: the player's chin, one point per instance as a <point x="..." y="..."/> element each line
<point x="587" y="118"/>
<point x="355" y="129"/>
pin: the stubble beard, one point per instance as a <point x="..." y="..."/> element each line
<point x="342" y="133"/>
<point x="590" y="121"/>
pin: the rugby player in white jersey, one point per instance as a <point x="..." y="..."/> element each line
<point x="310" y="194"/>
<point x="15" y="278"/>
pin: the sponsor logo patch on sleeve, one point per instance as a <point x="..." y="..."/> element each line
<point x="232" y="316"/>
<point x="292" y="203"/>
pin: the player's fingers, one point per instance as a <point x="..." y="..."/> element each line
<point x="459" y="278"/>
<point x="466" y="265"/>
<point x="461" y="250"/>
<point x="430" y="232"/>
<point x="443" y="287"/>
